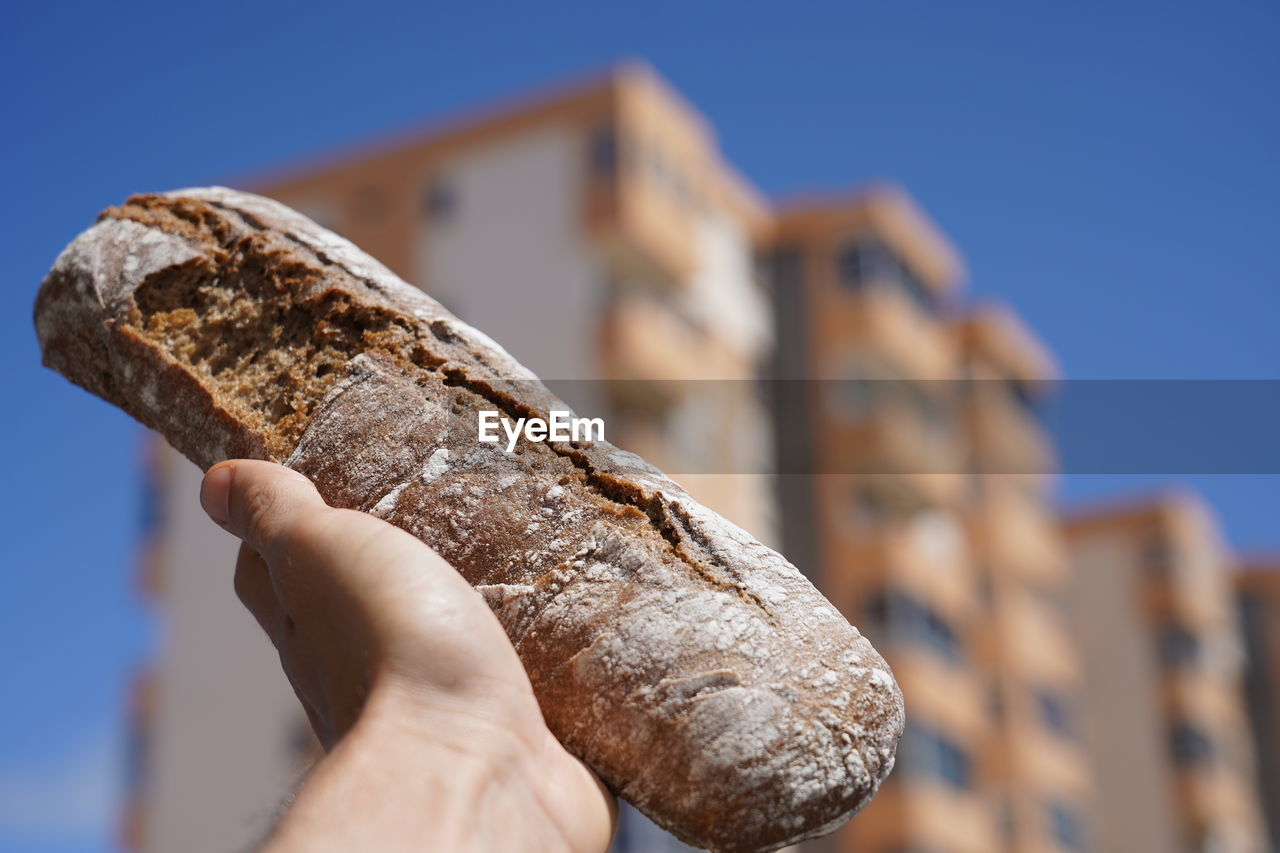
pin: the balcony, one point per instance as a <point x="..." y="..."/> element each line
<point x="644" y="339"/>
<point x="1015" y="536"/>
<point x="1004" y="435"/>
<point x="1225" y="796"/>
<point x="640" y="214"/>
<point x="1037" y="644"/>
<point x="949" y="698"/>
<point x="945" y="819"/>
<point x="920" y="555"/>
<point x="888" y="325"/>
<point x="1201" y="604"/>
<point x="892" y="440"/>
<point x="1048" y="762"/>
<point x="1212" y="697"/>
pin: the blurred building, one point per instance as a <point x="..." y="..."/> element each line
<point x="1035" y="771"/>
<point x="913" y="476"/>
<point x="1258" y="595"/>
<point x="597" y="233"/>
<point x="1155" y="616"/>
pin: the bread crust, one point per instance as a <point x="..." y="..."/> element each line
<point x="694" y="669"/>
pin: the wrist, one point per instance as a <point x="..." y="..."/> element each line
<point x="419" y="771"/>
<point x="485" y="730"/>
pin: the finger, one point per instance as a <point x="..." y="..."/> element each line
<point x="260" y="502"/>
<point x="386" y="585"/>
<point x="351" y="555"/>
<point x="255" y="591"/>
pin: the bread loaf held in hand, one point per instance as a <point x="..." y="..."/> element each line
<point x="695" y="670"/>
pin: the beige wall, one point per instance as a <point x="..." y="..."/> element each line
<point x="1167" y="551"/>
<point x="511" y="259"/>
<point x="1125" y="726"/>
<point x="227" y="739"/>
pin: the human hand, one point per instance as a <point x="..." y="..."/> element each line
<point x="435" y="738"/>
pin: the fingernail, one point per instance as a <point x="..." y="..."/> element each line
<point x="215" y="494"/>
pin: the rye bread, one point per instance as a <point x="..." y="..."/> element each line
<point x="694" y="669"/>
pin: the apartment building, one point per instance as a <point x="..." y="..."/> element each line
<point x="915" y="495"/>
<point x="862" y="288"/>
<point x="1035" y="768"/>
<point x="1154" y="614"/>
<point x="595" y="231"/>
<point x="1257" y="583"/>
<point x="599" y="235"/>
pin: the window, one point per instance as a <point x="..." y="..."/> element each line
<point x="1157" y="556"/>
<point x="916" y="288"/>
<point x="854" y="265"/>
<point x="906" y="620"/>
<point x="1065" y="825"/>
<point x="1023" y="394"/>
<point x="785" y="268"/>
<point x="928" y="752"/>
<point x="1056" y="713"/>
<point x="935" y="408"/>
<point x="867" y="261"/>
<point x="1191" y="745"/>
<point x="862" y="386"/>
<point x="1179" y="647"/>
<point x="441" y="199"/>
<point x="875" y="617"/>
<point x="604" y="152"/>
<point x="852" y="398"/>
<point x="927" y="626"/>
<point x="870" y="511"/>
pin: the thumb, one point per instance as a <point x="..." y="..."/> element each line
<point x="261" y="503"/>
<point x="279" y="514"/>
<point x="325" y="561"/>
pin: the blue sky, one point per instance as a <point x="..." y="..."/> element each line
<point x="1108" y="168"/>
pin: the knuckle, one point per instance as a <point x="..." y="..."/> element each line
<point x="264" y="513"/>
<point x="313" y="524"/>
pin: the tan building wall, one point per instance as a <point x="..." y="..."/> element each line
<point x="1153" y="609"/>
<point x="928" y="523"/>
<point x="1036" y="769"/>
<point x="861" y="289"/>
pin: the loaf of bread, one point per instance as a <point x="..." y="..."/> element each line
<point x="695" y="670"/>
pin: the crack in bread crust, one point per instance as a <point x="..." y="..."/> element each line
<point x="258" y="292"/>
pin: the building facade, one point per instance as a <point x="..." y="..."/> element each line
<point x="1036" y="769"/>
<point x="915" y="494"/>
<point x="1154" y="613"/>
